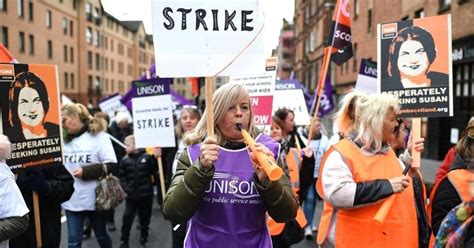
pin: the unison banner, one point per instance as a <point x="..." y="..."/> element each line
<point x="415" y="65"/>
<point x="29" y="102"/>
<point x="152" y="114"/>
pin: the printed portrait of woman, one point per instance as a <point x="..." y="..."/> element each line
<point x="28" y="107"/>
<point x="411" y="54"/>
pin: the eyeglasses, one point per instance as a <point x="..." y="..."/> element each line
<point x="189" y="107"/>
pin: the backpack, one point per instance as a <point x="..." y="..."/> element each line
<point x="455" y="226"/>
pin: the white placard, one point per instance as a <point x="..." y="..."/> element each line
<point x="294" y="100"/>
<point x="113" y="105"/>
<point x="193" y="39"/>
<point x="454" y="135"/>
<point x="153" y="121"/>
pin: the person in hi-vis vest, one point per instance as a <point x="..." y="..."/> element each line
<point x="218" y="188"/>
<point x="359" y="172"/>
<point x="299" y="168"/>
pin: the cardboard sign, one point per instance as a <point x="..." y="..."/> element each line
<point x="29" y="102"/>
<point x="195" y="38"/>
<point x="261" y="88"/>
<point x="367" y="78"/>
<point x="152" y="114"/>
<point x="415" y="65"/>
<point x="294" y="100"/>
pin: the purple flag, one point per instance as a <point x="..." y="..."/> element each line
<point x="327" y="103"/>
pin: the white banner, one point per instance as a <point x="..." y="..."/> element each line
<point x="153" y="121"/>
<point x="195" y="38"/>
<point x="293" y="100"/>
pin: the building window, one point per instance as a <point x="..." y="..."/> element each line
<point x="66" y="81"/>
<point x="4" y="36"/>
<point x="97" y="61"/>
<point x="106" y="64"/>
<point x="111" y="45"/>
<point x="89" y="35"/>
<point x="444" y="4"/>
<point x="64" y="25"/>
<point x="71" y="29"/>
<point x="48" y="18"/>
<point x="88" y="11"/>
<point x="369" y="21"/>
<point x="90" y="83"/>
<point x="30" y="11"/>
<point x="71" y="55"/>
<point x="112" y="85"/>
<point x="21" y="42"/>
<point x="50" y="49"/>
<point x="20" y="8"/>
<point x="89" y="60"/>
<point x="354" y="69"/>
<point x="3" y="5"/>
<point x="419" y="13"/>
<point x="120" y="49"/>
<point x="65" y="53"/>
<point x="31" y="40"/>
<point x="96" y="38"/>
<point x="356" y="9"/>
<point x="112" y="62"/>
<point x="106" y="42"/>
<point x="72" y="81"/>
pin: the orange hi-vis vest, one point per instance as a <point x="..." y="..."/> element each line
<point x="460" y="179"/>
<point x="356" y="227"/>
<point x="293" y="161"/>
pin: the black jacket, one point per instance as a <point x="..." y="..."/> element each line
<point x="61" y="183"/>
<point x="120" y="134"/>
<point x="446" y="198"/>
<point x="137" y="173"/>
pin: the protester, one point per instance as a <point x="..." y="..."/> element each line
<point x="399" y="146"/>
<point x="13" y="210"/>
<point x="454" y="188"/>
<point x="319" y="144"/>
<point x="289" y="130"/>
<point x="86" y="149"/>
<point x="234" y="216"/>
<point x="297" y="168"/>
<point x="359" y="172"/>
<point x="29" y="105"/>
<point x="54" y="186"/>
<point x="137" y="173"/>
<point x="186" y="123"/>
<point x="445" y="165"/>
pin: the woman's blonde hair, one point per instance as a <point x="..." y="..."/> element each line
<point x="222" y="100"/>
<point x="364" y="114"/>
<point x="193" y="112"/>
<point x="96" y="124"/>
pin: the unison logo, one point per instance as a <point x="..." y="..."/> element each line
<point x="223" y="183"/>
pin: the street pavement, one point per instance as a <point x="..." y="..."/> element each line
<point x="160" y="229"/>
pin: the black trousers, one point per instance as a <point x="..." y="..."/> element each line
<point x="143" y="207"/>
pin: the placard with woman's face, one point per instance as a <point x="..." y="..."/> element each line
<point x="415" y="65"/>
<point x="30" y="114"/>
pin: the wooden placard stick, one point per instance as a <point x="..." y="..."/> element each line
<point x="209" y="107"/>
<point x="36" y="211"/>
<point x="322" y="80"/>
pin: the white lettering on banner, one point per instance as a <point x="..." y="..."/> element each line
<point x="228" y="184"/>
<point x="200" y="15"/>
<point x="260" y="119"/>
<point x="254" y="101"/>
<point x="35" y="143"/>
<point x="370" y="71"/>
<point x="150" y="90"/>
<point x="418" y="92"/>
<point x="342" y="35"/>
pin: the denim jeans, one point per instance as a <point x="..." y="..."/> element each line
<point x="309" y="204"/>
<point x="75" y="224"/>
